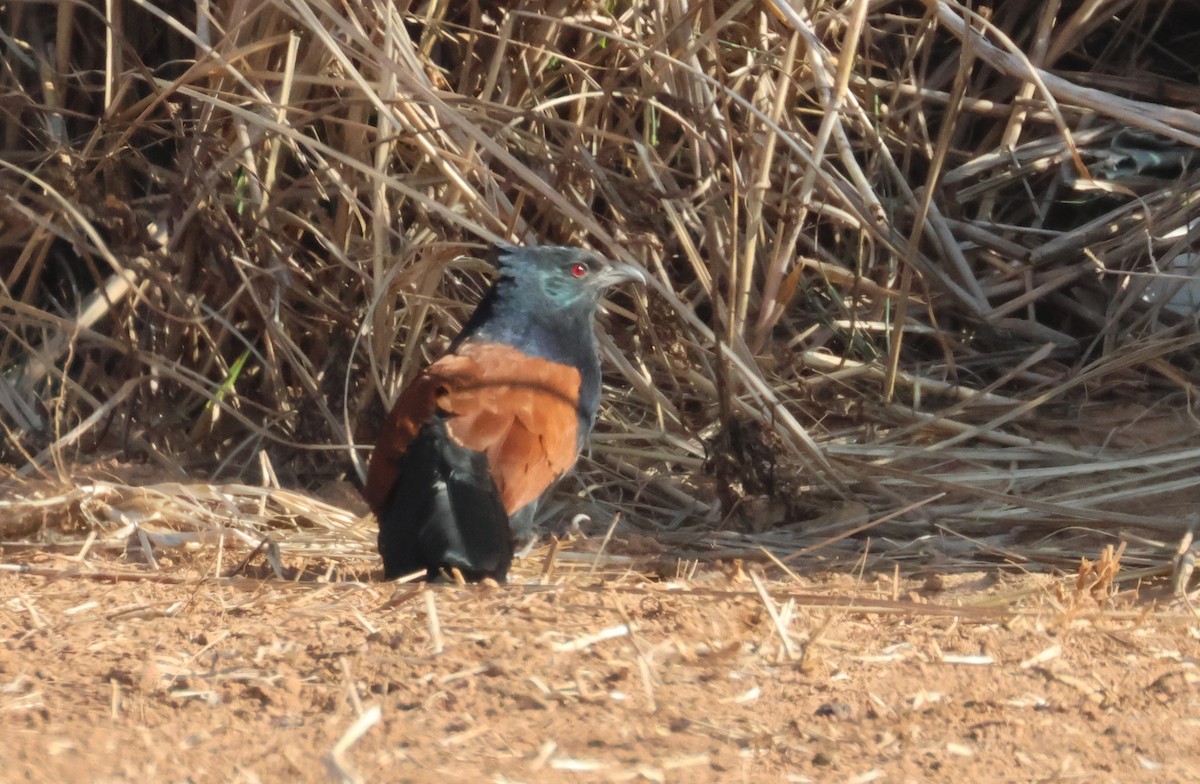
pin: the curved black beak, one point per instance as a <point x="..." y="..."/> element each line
<point x="615" y="272"/>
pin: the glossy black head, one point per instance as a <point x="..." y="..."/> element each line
<point x="545" y="300"/>
<point x="561" y="277"/>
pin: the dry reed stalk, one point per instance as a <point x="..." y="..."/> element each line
<point x="905" y="242"/>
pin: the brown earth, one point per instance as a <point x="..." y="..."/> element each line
<point x="172" y="676"/>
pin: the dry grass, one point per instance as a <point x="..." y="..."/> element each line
<point x="911" y="266"/>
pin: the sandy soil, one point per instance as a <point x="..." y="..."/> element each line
<point x="178" y="677"/>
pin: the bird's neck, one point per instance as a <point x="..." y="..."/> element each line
<point x="563" y="335"/>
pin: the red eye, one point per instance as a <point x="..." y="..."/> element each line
<point x="578" y="269"/>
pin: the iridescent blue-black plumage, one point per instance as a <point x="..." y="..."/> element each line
<point x="541" y="307"/>
<point x="478" y="437"/>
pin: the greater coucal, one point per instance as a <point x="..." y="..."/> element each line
<point x="477" y="438"/>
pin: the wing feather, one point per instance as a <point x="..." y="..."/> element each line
<point x="522" y="412"/>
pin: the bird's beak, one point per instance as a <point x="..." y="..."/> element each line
<point x="615" y="272"/>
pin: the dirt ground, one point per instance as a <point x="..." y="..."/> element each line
<point x="177" y="677"/>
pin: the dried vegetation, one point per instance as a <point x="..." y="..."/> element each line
<point x="921" y="274"/>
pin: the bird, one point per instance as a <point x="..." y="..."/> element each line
<point x="481" y="434"/>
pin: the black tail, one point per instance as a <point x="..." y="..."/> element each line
<point x="444" y="512"/>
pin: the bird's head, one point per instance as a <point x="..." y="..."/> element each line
<point x="562" y="277"/>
